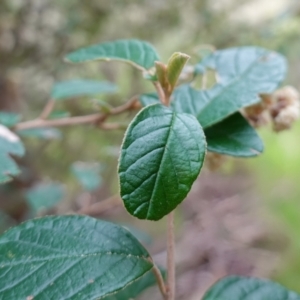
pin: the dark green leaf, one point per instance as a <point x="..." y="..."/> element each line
<point x="148" y="99"/>
<point x="134" y="289"/>
<point x="88" y="174"/>
<point x="45" y="195"/>
<point x="47" y="133"/>
<point x="9" y="119"/>
<point x="138" y="53"/>
<point x="161" y="157"/>
<point x="78" y="88"/>
<point x="242" y="288"/>
<point x="9" y="144"/>
<point x="69" y="257"/>
<point x="233" y="136"/>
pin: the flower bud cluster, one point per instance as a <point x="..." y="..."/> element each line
<point x="282" y="109"/>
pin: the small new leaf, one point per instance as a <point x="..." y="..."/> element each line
<point x="161" y="157"/>
<point x="161" y="73"/>
<point x="175" y="65"/>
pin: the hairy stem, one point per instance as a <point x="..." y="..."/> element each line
<point x="160" y="281"/>
<point x="47" y="109"/>
<point x="171" y="257"/>
<point x="97" y="118"/>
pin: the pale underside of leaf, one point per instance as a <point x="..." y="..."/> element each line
<point x="161" y="157"/>
<point x="235" y="62"/>
<point x="138" y="53"/>
<point x="10" y="144"/>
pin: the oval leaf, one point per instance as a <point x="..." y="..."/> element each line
<point x="69" y="257"/>
<point x="9" y="144"/>
<point x="241" y="288"/>
<point x="138" y="53"/>
<point x="243" y="74"/>
<point x="234" y="136"/>
<point x="78" y="88"/>
<point x="266" y="68"/>
<point x="162" y="154"/>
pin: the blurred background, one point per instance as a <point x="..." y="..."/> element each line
<point x="240" y="218"/>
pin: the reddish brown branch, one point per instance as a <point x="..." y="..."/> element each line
<point x="97" y="118"/>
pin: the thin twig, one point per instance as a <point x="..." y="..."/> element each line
<point x="171" y="257"/>
<point x="112" y="126"/>
<point x="58" y="122"/>
<point x="97" y="118"/>
<point x="47" y="109"/>
<point x="160" y="281"/>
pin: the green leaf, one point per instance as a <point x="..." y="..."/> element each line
<point x="9" y="119"/>
<point x="78" y="88"/>
<point x="9" y="144"/>
<point x="138" y="53"/>
<point x="243" y="74"/>
<point x="234" y="136"/>
<point x="88" y="174"/>
<point x="265" y="68"/>
<point x="47" y="133"/>
<point x="148" y="99"/>
<point x="241" y="288"/>
<point x="69" y="257"/>
<point x="134" y="289"/>
<point x="175" y="65"/>
<point x="45" y="195"/>
<point x="188" y="100"/>
<point x="161" y="156"/>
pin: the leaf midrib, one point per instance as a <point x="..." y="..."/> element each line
<point x="161" y="161"/>
<point x="71" y="256"/>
